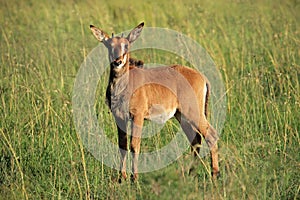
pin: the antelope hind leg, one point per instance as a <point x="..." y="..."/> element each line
<point x="211" y="139"/>
<point x="135" y="143"/>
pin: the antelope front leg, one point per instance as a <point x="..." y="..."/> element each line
<point x="136" y="129"/>
<point x="122" y="139"/>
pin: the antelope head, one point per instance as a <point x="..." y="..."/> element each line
<point x="118" y="47"/>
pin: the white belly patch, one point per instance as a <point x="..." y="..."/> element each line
<point x="158" y="114"/>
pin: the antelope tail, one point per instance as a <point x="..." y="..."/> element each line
<point x="206" y="99"/>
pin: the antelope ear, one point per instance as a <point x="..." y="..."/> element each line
<point x="135" y="33"/>
<point x="99" y="34"/>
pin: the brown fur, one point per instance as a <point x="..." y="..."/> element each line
<point x="137" y="93"/>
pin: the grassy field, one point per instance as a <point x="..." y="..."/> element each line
<point x="255" y="45"/>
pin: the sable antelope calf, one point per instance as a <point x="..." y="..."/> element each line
<point x="157" y="94"/>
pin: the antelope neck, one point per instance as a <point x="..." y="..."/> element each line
<point x="118" y="79"/>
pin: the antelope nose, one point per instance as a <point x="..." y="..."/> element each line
<point x="117" y="62"/>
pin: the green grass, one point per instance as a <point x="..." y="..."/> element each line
<point x="255" y="45"/>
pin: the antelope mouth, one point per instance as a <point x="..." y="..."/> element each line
<point x="119" y="63"/>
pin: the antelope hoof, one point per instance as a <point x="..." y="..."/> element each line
<point x="216" y="175"/>
<point x="123" y="175"/>
<point x="134" y="177"/>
